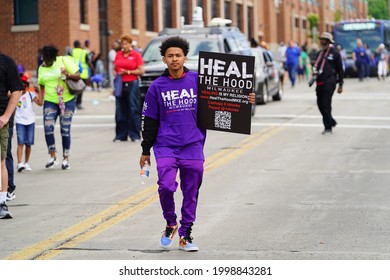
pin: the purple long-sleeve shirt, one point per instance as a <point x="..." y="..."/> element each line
<point x="174" y="103"/>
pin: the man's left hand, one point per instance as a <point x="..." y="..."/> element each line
<point x="340" y="89"/>
<point x="252" y="98"/>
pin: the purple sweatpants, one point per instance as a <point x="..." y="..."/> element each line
<point x="191" y="174"/>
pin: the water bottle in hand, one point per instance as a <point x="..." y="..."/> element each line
<point x="144" y="173"/>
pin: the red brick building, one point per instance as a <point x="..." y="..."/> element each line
<point x="26" y="26"/>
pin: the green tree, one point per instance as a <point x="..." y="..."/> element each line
<point x="378" y="9"/>
<point x="314" y="21"/>
<point x="338" y="16"/>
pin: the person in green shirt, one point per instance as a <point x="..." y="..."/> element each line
<point x="86" y="63"/>
<point x="57" y="100"/>
<point x="303" y="71"/>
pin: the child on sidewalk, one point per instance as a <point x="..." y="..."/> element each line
<point x="25" y="123"/>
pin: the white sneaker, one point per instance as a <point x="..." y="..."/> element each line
<point x="4" y="213"/>
<point x="11" y="196"/>
<point x="21" y="167"/>
<point x="52" y="161"/>
<point x="65" y="164"/>
<point x="27" y="166"/>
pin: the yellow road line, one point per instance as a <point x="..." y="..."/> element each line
<point x="91" y="222"/>
<point x="102" y="227"/>
<point x="96" y="224"/>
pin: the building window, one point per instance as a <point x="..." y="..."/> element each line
<point x="133" y="4"/>
<point x="250" y="22"/>
<point x="168" y="14"/>
<point x="214" y="9"/>
<point x="82" y="12"/>
<point x="304" y="23"/>
<point x="149" y="15"/>
<point x="296" y="22"/>
<point x="102" y="3"/>
<point x="331" y="4"/>
<point x="199" y="3"/>
<point x="26" y="12"/>
<point x="185" y="11"/>
<point x="228" y="14"/>
<point x="239" y="15"/>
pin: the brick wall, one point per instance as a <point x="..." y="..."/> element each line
<point x="59" y="23"/>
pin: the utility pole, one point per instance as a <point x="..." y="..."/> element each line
<point x="345" y="10"/>
<point x="388" y="7"/>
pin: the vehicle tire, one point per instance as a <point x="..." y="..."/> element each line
<point x="264" y="95"/>
<point x="279" y="94"/>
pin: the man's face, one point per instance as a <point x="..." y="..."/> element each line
<point x="324" y="42"/>
<point x="174" y="58"/>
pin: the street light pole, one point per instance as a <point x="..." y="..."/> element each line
<point x="388" y="6"/>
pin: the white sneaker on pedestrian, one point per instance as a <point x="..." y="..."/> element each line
<point x="11" y="196"/>
<point x="65" y="164"/>
<point x="4" y="213"/>
<point x="21" y="167"/>
<point x="51" y="162"/>
<point x="27" y="167"/>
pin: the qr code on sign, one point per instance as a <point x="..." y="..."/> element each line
<point x="223" y="119"/>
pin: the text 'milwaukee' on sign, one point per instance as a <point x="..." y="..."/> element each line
<point x="224" y="83"/>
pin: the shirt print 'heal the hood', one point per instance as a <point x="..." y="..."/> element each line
<point x="179" y="99"/>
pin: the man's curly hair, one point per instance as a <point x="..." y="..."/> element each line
<point x="174" y="42"/>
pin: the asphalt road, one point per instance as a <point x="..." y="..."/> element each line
<point x="285" y="192"/>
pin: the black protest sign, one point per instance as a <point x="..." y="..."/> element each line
<point x="224" y="83"/>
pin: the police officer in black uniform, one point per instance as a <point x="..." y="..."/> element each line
<point x="328" y="69"/>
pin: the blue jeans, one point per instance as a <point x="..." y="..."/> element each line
<point x="51" y="112"/>
<point x="292" y="72"/>
<point x="361" y="69"/>
<point x="127" y="113"/>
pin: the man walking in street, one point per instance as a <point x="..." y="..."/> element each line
<point x="292" y="61"/>
<point x="9" y="82"/>
<point x="176" y="147"/>
<point x="176" y="139"/>
<point x="360" y="57"/>
<point x="329" y="70"/>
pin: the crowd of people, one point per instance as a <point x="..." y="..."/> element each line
<point x="365" y="58"/>
<point x="299" y="61"/>
<point x="182" y="149"/>
<point x="182" y="152"/>
<point x="17" y="96"/>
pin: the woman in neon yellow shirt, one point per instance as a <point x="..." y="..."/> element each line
<point x="57" y="100"/>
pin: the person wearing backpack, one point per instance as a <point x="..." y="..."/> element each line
<point x="25" y="123"/>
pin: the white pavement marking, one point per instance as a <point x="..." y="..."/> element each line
<point x="84" y="125"/>
<point x="84" y="117"/>
<point x="255" y="121"/>
<point x="293" y="116"/>
<point x="321" y="125"/>
<point x="290" y="117"/>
